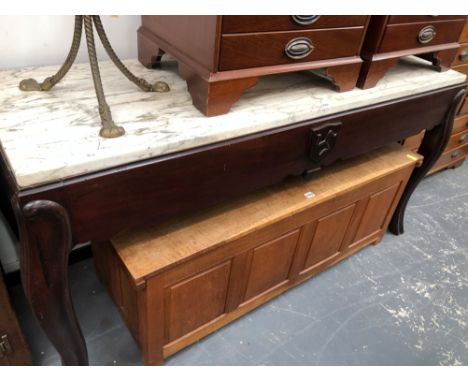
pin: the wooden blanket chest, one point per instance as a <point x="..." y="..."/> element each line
<point x="177" y="283"/>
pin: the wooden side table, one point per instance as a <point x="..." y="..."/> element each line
<point x="390" y="37"/>
<point x="221" y="57"/>
<point x="66" y="185"/>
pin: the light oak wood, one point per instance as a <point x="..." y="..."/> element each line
<point x="414" y="142"/>
<point x="195" y="275"/>
<point x="200" y="233"/>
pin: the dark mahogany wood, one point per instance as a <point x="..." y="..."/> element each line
<point x="45" y="237"/>
<point x="213" y="57"/>
<point x="194" y="37"/>
<point x="390" y="37"/>
<point x="246" y="24"/>
<point x="441" y="60"/>
<point x="344" y="77"/>
<point x="97" y="206"/>
<point x="149" y="53"/>
<point x="240" y="51"/>
<point x="398" y="19"/>
<point x="214" y="98"/>
<point x="432" y="147"/>
<point x="373" y="71"/>
<point x="405" y="36"/>
<point x="200" y="177"/>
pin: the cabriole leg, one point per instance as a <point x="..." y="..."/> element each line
<point x="45" y="238"/>
<point x="432" y="147"/>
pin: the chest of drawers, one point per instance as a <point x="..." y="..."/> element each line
<point x="388" y="38"/>
<point x="221" y="56"/>
<point x="457" y="147"/>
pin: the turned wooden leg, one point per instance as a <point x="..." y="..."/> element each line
<point x="45" y="238"/>
<point x="432" y="147"/>
<point x="214" y="98"/>
<point x="149" y="53"/>
<point x="373" y="70"/>
<point x="344" y="77"/>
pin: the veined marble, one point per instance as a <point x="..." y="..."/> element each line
<point x="50" y="136"/>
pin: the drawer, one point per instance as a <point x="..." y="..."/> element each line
<point x="242" y="24"/>
<point x="410" y="36"/>
<point x="462" y="55"/>
<point x="464" y="34"/>
<point x="400" y="19"/>
<point x="449" y="157"/>
<point x="457" y="140"/>
<point x="264" y="49"/>
<point x="460" y="124"/>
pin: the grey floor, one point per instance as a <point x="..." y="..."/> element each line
<point x="402" y="302"/>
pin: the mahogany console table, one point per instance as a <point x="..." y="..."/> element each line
<point x="66" y="185"/>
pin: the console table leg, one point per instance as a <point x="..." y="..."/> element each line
<point x="432" y="147"/>
<point x="45" y="238"/>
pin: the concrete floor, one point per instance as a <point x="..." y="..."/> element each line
<point x="402" y="302"/>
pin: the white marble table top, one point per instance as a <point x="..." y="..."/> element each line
<point x="51" y="136"/>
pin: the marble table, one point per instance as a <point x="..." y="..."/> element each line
<point x="52" y="136"/>
<point x="66" y="185"/>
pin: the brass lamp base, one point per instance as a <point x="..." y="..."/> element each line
<point x="109" y="128"/>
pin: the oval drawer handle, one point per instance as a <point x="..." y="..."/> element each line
<point x="456" y="154"/>
<point x="463" y="55"/>
<point x="305" y="20"/>
<point x="463" y="138"/>
<point x="426" y="34"/>
<point x="298" y="48"/>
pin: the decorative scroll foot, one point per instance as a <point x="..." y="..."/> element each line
<point x="432" y="147"/>
<point x="140" y="82"/>
<point x="214" y="98"/>
<point x="373" y="70"/>
<point x="109" y="128"/>
<point x="45" y="238"/>
<point x="32" y="85"/>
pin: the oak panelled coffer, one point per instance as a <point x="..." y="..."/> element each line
<point x="178" y="283"/>
<point x="222" y="56"/>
